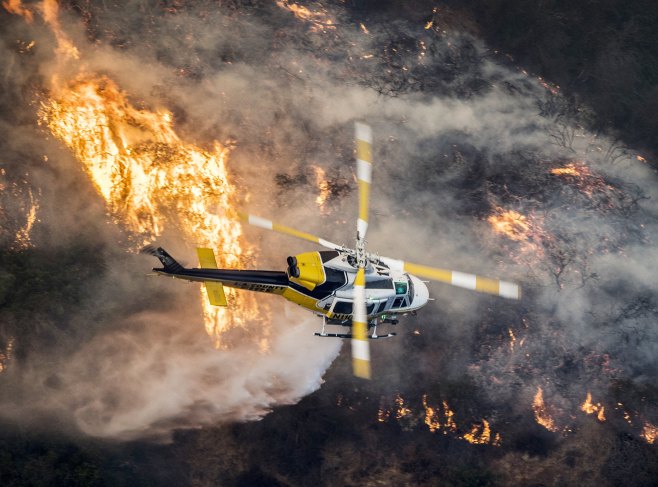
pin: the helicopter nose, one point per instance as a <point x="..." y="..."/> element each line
<point x="421" y="293"/>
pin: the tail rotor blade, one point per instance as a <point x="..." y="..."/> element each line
<point x="464" y="280"/>
<point x="360" y="345"/>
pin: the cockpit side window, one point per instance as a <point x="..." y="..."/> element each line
<point x="380" y="284"/>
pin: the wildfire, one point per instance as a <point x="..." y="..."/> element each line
<point x="479" y="434"/>
<point x="50" y="12"/>
<point x="400" y="409"/>
<point x="16" y="7"/>
<point x="431" y="416"/>
<point x="383" y="413"/>
<point x="149" y="177"/>
<point x="323" y="188"/>
<point x="510" y="223"/>
<point x="320" y="20"/>
<point x="6" y="355"/>
<point x="581" y="176"/>
<point x="512" y="339"/>
<point x="541" y="414"/>
<point x="588" y="407"/>
<point x="649" y="433"/>
<point x="568" y="170"/>
<point x="22" y="239"/>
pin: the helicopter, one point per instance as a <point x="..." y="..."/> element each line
<point x="346" y="287"/>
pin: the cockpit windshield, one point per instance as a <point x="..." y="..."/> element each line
<point x="400" y="288"/>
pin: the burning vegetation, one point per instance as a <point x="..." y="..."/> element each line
<point x="588" y="407"/>
<point x="541" y="414"/>
<point x="152" y="180"/>
<point x="437" y="418"/>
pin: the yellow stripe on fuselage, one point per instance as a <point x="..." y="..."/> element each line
<point x="304" y="301"/>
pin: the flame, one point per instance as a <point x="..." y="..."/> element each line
<point x="649" y="433"/>
<point x="150" y="178"/>
<point x="320" y="19"/>
<point x="568" y="170"/>
<point x="383" y="413"/>
<point x="437" y="420"/>
<point x="448" y="421"/>
<point x="430" y="23"/>
<point x="16" y="7"/>
<point x="400" y="409"/>
<point x="479" y="434"/>
<point x="528" y="232"/>
<point x="588" y="407"/>
<point x="323" y="188"/>
<point x="511" y="224"/>
<point x="581" y="176"/>
<point x="22" y="239"/>
<point x="512" y="339"/>
<point x="50" y="12"/>
<point x="541" y="414"/>
<point x="6" y="355"/>
<point x="431" y="416"/>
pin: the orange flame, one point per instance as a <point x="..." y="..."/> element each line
<point x="16" y="7"/>
<point x="150" y="178"/>
<point x="400" y="409"/>
<point x="22" y="239"/>
<point x="323" y="187"/>
<point x="588" y="407"/>
<point x="541" y="414"/>
<point x="510" y="223"/>
<point x="6" y="355"/>
<point x="431" y="416"/>
<point x="649" y="433"/>
<point x="581" y="176"/>
<point x="479" y="434"/>
<point x="448" y="420"/>
<point x="50" y="9"/>
<point x="568" y="170"/>
<point x="319" y="19"/>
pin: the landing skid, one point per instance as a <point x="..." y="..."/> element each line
<point x="373" y="336"/>
<point x="349" y="335"/>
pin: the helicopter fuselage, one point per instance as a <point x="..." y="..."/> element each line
<point x="322" y="282"/>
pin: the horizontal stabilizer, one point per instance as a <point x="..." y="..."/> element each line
<point x="206" y="258"/>
<point x="215" y="289"/>
<point x="216" y="294"/>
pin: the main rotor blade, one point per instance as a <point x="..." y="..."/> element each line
<point x="270" y="225"/>
<point x="360" y="345"/>
<point x="363" y="173"/>
<point x="460" y="279"/>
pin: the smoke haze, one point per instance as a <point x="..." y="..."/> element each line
<point x="459" y="136"/>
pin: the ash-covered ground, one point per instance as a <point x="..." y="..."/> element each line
<point x="107" y="377"/>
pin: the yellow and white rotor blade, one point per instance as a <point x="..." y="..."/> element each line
<point x="363" y="137"/>
<point x="360" y="345"/>
<point x="270" y="225"/>
<point x="460" y="279"/>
